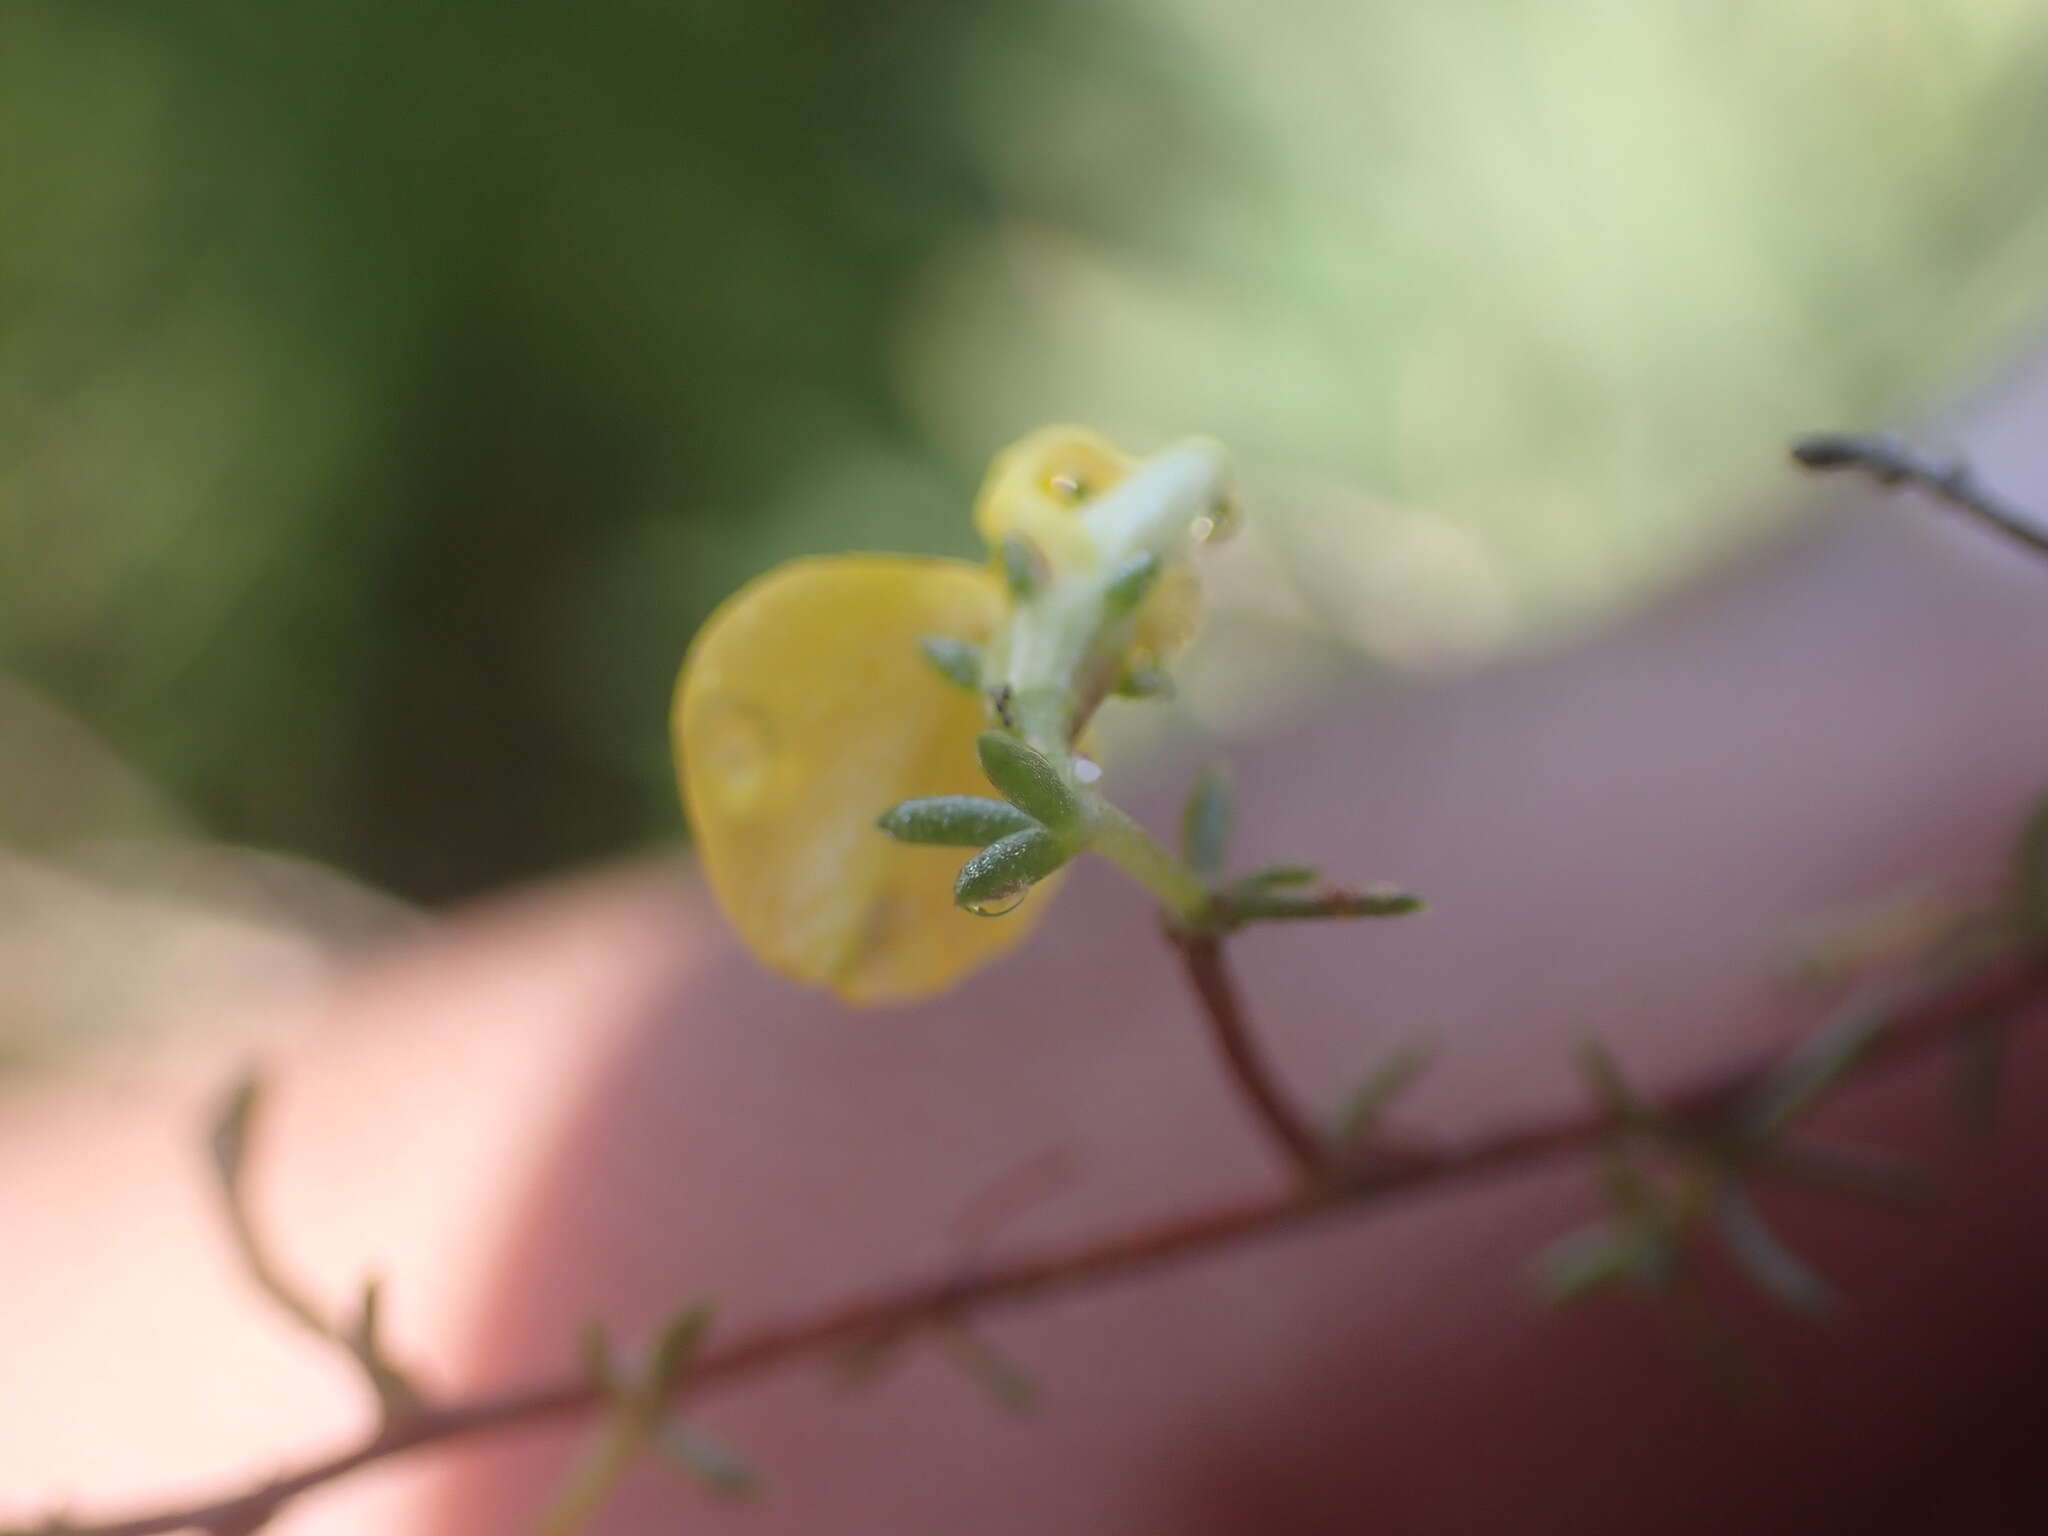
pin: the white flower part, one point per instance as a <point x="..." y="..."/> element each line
<point x="1153" y="510"/>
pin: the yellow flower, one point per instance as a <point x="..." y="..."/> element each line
<point x="1035" y="489"/>
<point x="806" y="708"/>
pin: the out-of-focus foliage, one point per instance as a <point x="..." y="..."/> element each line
<point x="387" y="390"/>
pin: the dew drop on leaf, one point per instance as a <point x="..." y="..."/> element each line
<point x="1219" y="523"/>
<point x="998" y="905"/>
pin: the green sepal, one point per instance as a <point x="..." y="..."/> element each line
<point x="1024" y="566"/>
<point x="1144" y="683"/>
<point x="1028" y="779"/>
<point x="957" y="661"/>
<point x="953" y="821"/>
<point x="1007" y="868"/>
<point x="1131" y="582"/>
<point x="1205" y="822"/>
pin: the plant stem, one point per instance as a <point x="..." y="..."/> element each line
<point x="1890" y="461"/>
<point x="1133" y="850"/>
<point x="1208" y="970"/>
<point x="1937" y="1018"/>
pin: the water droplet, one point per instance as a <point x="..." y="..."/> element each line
<point x="1220" y="522"/>
<point x="732" y="754"/>
<point x="1087" y="770"/>
<point x="996" y="906"/>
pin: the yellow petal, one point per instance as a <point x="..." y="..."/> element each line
<point x="1170" y="616"/>
<point x="804" y="711"/>
<point x="1036" y="486"/>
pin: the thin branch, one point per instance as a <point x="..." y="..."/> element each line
<point x="1892" y="461"/>
<point x="1208" y="971"/>
<point x="1938" y="1017"/>
<point x="360" y="1336"/>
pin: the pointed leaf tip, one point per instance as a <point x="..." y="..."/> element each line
<point x="957" y="661"/>
<point x="710" y="1462"/>
<point x="1611" y="1091"/>
<point x="986" y="1367"/>
<point x="1028" y="779"/>
<point x="675" y="1349"/>
<point x="1360" y="1116"/>
<point x="232" y="1129"/>
<point x="1776" y="1269"/>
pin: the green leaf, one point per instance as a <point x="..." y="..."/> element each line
<point x="1360" y="1115"/>
<point x="1269" y="904"/>
<point x="395" y="1392"/>
<point x="1810" y="1071"/>
<point x="957" y="661"/>
<point x="1028" y="779"/>
<point x="1130" y="582"/>
<point x="1205" y="821"/>
<point x="953" y="821"/>
<point x="1774" y="1267"/>
<point x="232" y="1129"/>
<point x="710" y="1462"/>
<point x="989" y="883"/>
<point x="674" y="1350"/>
<point x="1598" y="1257"/>
<point x="1024" y="566"/>
<point x="987" y="1369"/>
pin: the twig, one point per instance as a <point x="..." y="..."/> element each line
<point x="1210" y="974"/>
<point x="1892" y="461"/>
<point x="2006" y="987"/>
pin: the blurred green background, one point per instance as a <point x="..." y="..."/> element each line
<point x="387" y="391"/>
